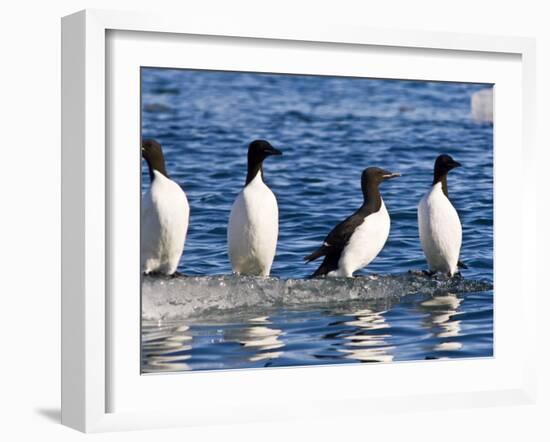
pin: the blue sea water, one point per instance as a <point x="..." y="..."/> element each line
<point x="329" y="129"/>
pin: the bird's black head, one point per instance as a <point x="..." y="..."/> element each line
<point x="371" y="178"/>
<point x="258" y="151"/>
<point x="443" y="165"/>
<point x="375" y="175"/>
<point x="152" y="153"/>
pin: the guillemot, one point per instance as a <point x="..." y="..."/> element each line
<point x="164" y="216"/>
<point x="438" y="222"/>
<point x="357" y="240"/>
<point x="254" y="220"/>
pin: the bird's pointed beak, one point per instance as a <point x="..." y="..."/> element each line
<point x="456" y="164"/>
<point x="390" y="175"/>
<point x="273" y="151"/>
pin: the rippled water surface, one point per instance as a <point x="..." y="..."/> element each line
<point x="329" y="129"/>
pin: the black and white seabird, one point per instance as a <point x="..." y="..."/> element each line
<point x="164" y="216"/>
<point x="357" y="240"/>
<point x="254" y="220"/>
<point x="438" y="222"/>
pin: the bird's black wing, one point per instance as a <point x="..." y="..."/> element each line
<point x="329" y="264"/>
<point x="337" y="239"/>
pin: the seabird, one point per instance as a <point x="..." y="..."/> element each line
<point x="164" y="216"/>
<point x="357" y="240"/>
<point x="438" y="222"/>
<point x="254" y="220"/>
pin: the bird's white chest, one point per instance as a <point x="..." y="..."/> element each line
<point x="253" y="229"/>
<point x="440" y="230"/>
<point x="164" y="222"/>
<point x="165" y="194"/>
<point x="366" y="242"/>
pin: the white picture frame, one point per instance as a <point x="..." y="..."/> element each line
<point x="89" y="336"/>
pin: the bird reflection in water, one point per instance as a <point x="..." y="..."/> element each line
<point x="441" y="320"/>
<point x="262" y="339"/>
<point x="367" y="344"/>
<point x="166" y="349"/>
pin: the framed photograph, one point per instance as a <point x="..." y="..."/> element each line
<point x="272" y="222"/>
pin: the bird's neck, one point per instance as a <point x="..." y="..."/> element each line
<point x="441" y="178"/>
<point x="372" y="201"/>
<point x="159" y="166"/>
<point x="254" y="168"/>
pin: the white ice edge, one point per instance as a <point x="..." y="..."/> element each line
<point x="196" y="296"/>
